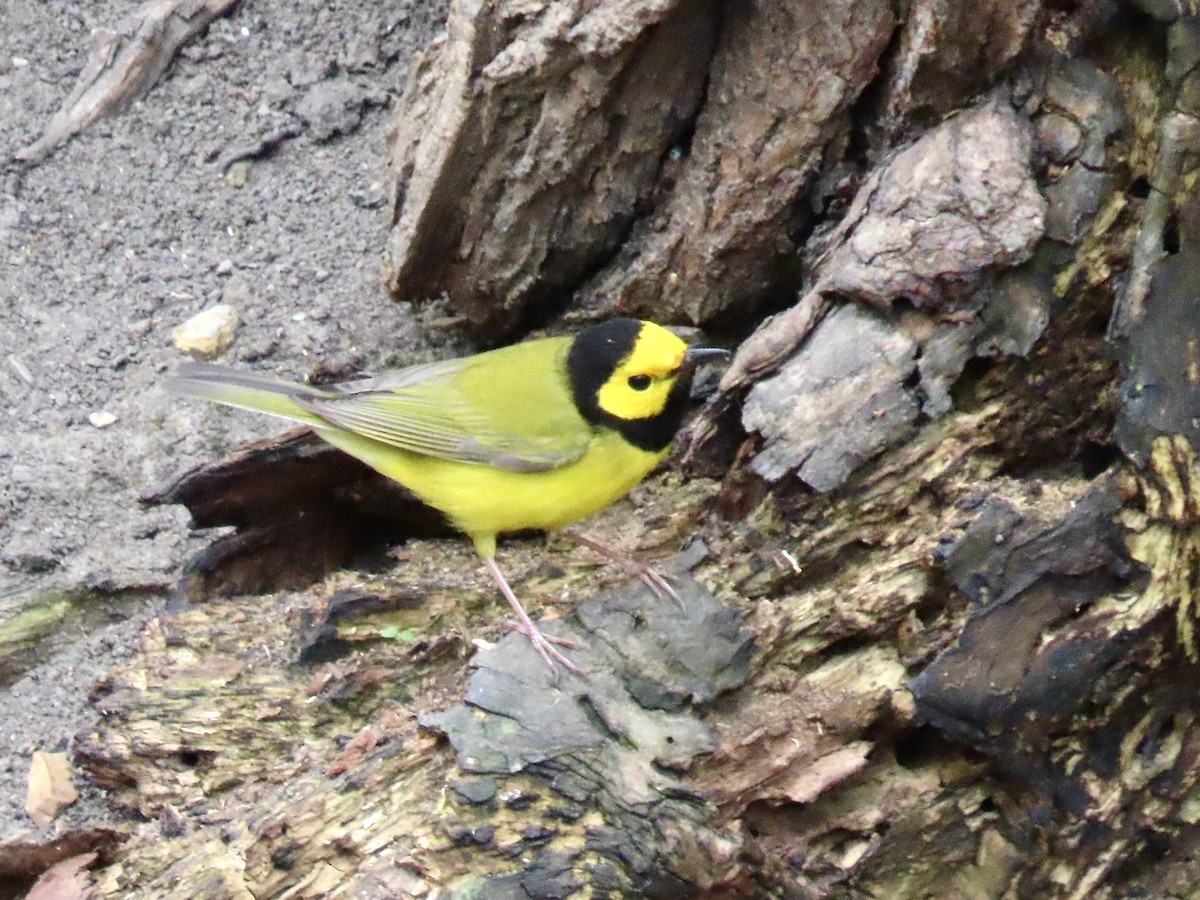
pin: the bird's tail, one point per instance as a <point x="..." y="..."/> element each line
<point x="247" y="390"/>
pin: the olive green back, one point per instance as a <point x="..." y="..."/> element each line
<point x="509" y="408"/>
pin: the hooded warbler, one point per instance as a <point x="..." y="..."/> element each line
<point x="534" y="435"/>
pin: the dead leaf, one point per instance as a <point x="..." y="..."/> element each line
<point x="356" y="750"/>
<point x="65" y="880"/>
<point x="50" y="787"/>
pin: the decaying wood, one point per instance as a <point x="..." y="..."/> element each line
<point x="821" y="757"/>
<point x="783" y="81"/>
<point x="924" y="230"/>
<point x="958" y="201"/>
<point x="1046" y="617"/>
<point x="558" y="779"/>
<point x="301" y="510"/>
<point x="528" y="139"/>
<point x="124" y="64"/>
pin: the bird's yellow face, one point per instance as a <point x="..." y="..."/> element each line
<point x="640" y="386"/>
<point x="634" y="378"/>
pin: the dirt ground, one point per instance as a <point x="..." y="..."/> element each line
<point x="127" y="231"/>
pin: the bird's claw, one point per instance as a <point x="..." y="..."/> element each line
<point x="514" y="625"/>
<point x="657" y="582"/>
<point x="544" y="644"/>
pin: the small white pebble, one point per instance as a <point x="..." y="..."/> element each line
<point x="101" y="419"/>
<point x="207" y="333"/>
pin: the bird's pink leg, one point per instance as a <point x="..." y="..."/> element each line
<point x="544" y="644"/>
<point x="653" y="579"/>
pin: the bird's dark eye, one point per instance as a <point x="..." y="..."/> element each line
<point x="639" y="382"/>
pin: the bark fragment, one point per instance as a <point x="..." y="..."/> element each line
<point x="301" y="508"/>
<point x="925" y="229"/>
<point x="66" y="880"/>
<point x="958" y="201"/>
<point x="1081" y="115"/>
<point x="620" y="739"/>
<point x="837" y="403"/>
<point x="526" y="142"/>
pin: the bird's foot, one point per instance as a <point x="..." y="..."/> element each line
<point x="658" y="583"/>
<point x="514" y="625"/>
<point x="542" y="643"/>
<point x="545" y="645"/>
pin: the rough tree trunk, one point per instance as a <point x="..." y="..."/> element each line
<point x="947" y="643"/>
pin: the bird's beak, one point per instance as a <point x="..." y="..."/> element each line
<point x="693" y="356"/>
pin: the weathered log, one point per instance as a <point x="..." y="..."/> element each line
<point x="559" y="780"/>
<point x="528" y="140"/>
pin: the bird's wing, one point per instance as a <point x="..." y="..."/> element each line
<point x="510" y="408"/>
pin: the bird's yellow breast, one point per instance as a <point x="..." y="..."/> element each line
<point x="483" y="501"/>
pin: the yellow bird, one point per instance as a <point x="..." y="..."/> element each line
<point x="535" y="435"/>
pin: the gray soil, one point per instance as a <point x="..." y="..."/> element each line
<point x="124" y="233"/>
